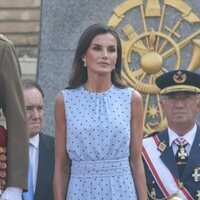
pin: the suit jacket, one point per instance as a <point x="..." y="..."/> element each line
<point x="168" y="159"/>
<point x="12" y="104"/>
<point x="44" y="182"/>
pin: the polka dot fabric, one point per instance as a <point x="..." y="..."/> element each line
<point x="98" y="138"/>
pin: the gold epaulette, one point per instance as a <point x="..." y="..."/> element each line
<point x="151" y="134"/>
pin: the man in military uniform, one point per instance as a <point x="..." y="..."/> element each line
<point x="171" y="157"/>
<point x="12" y="105"/>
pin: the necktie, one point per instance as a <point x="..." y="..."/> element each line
<point x="29" y="195"/>
<point x="181" y="155"/>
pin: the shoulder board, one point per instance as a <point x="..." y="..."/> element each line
<point x="152" y="134"/>
<point x="4" y="38"/>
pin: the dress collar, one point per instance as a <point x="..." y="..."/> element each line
<point x="34" y="141"/>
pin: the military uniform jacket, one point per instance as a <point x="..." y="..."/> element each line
<point x="188" y="185"/>
<point x="12" y="104"/>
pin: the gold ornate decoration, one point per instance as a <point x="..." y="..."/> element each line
<point x="3" y="158"/>
<point x="154" y="47"/>
<point x="176" y="198"/>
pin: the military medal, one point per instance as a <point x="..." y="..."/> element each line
<point x="196" y="175"/>
<point x="198" y="195"/>
<point x="182" y="154"/>
<point x="153" y="193"/>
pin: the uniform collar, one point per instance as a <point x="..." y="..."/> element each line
<point x="189" y="136"/>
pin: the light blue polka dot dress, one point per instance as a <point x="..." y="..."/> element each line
<point x="98" y="138"/>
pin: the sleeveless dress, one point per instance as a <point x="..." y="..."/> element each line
<point x="98" y="138"/>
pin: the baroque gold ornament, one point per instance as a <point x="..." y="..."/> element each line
<point x="152" y="44"/>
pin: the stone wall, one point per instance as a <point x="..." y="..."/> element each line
<point x="20" y="22"/>
<point x="63" y="21"/>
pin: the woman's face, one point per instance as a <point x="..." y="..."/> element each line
<point x="101" y="55"/>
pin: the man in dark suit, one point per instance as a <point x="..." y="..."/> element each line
<point x="171" y="157"/>
<point x="41" y="146"/>
<point x="12" y="105"/>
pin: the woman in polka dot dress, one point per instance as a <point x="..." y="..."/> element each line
<point x="98" y="126"/>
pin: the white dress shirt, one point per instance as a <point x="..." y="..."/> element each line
<point x="34" y="156"/>
<point x="12" y="193"/>
<point x="189" y="137"/>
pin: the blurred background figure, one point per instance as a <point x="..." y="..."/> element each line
<point x="41" y="146"/>
<point x="12" y="105"/>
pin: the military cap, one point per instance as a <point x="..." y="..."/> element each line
<point x="178" y="80"/>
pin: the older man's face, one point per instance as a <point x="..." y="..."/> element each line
<point x="34" y="104"/>
<point x="180" y="108"/>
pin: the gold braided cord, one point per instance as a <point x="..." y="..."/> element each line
<point x="175" y="88"/>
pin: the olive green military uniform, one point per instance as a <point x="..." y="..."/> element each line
<point x="12" y="104"/>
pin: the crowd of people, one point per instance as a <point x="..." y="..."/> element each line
<point x="99" y="151"/>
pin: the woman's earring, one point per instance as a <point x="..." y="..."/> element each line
<point x="84" y="63"/>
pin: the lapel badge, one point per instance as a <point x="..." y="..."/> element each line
<point x="196" y="175"/>
<point x="161" y="146"/>
<point x="198" y="195"/>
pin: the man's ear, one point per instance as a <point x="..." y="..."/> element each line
<point x="198" y="102"/>
<point x="162" y="103"/>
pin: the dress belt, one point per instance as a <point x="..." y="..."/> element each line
<point x="102" y="168"/>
